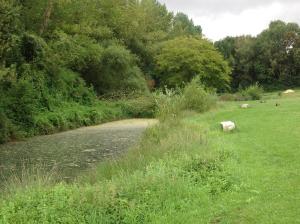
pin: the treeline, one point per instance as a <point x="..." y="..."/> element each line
<point x="57" y="53"/>
<point x="272" y="58"/>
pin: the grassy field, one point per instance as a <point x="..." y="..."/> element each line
<point x="267" y="147"/>
<point x="185" y="170"/>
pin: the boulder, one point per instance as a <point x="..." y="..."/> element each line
<point x="228" y="125"/>
<point x="245" y="106"/>
<point x="288" y="91"/>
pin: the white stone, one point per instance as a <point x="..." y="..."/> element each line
<point x="245" y="106"/>
<point x="228" y="125"/>
<point x="288" y="91"/>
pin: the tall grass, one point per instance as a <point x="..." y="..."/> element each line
<point x="193" y="97"/>
<point x="172" y="176"/>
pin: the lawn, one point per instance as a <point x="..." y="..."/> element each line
<point x="266" y="145"/>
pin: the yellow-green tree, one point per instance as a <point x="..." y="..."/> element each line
<point x="183" y="58"/>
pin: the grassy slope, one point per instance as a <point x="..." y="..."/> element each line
<point x="267" y="145"/>
<point x="185" y="172"/>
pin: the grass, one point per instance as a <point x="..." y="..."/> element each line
<point x="267" y="147"/>
<point x="185" y="171"/>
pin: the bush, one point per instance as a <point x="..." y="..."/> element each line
<point x="196" y="98"/>
<point x="253" y="92"/>
<point x="140" y="107"/>
<point x="193" y="97"/>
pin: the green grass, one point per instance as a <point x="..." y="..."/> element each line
<point x="185" y="171"/>
<point x="267" y="145"/>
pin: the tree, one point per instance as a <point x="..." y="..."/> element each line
<point x="276" y="47"/>
<point x="184" y="58"/>
<point x="10" y="28"/>
<point x="271" y="58"/>
<point x="183" y="26"/>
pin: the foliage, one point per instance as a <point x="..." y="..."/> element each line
<point x="9" y="29"/>
<point x="253" y="92"/>
<point x="196" y="98"/>
<point x="193" y="97"/>
<point x="169" y="104"/>
<point x="271" y="58"/>
<point x="183" y="26"/>
<point x="54" y="53"/>
<point x="120" y="72"/>
<point x="70" y="116"/>
<point x="140" y="106"/>
<point x="184" y="58"/>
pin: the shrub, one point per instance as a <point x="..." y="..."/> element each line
<point x="193" y="97"/>
<point x="196" y="98"/>
<point x="140" y="107"/>
<point x="253" y="92"/>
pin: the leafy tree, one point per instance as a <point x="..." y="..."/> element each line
<point x="183" y="26"/>
<point x="275" y="54"/>
<point x="271" y="58"/>
<point x="184" y="58"/>
<point x="10" y="27"/>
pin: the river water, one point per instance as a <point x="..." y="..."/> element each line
<point x="73" y="151"/>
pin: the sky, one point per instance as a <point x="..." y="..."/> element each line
<point x="221" y="18"/>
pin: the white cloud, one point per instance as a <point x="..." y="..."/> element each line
<point x="251" y="21"/>
<point x="221" y="18"/>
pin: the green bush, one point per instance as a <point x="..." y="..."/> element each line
<point x="253" y="92"/>
<point x="193" y="97"/>
<point x="140" y="107"/>
<point x="196" y="98"/>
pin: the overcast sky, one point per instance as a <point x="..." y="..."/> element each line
<point x="221" y="18"/>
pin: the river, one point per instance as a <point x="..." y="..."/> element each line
<point x="73" y="151"/>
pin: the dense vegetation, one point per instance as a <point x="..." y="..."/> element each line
<point x="272" y="58"/>
<point x="57" y="56"/>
